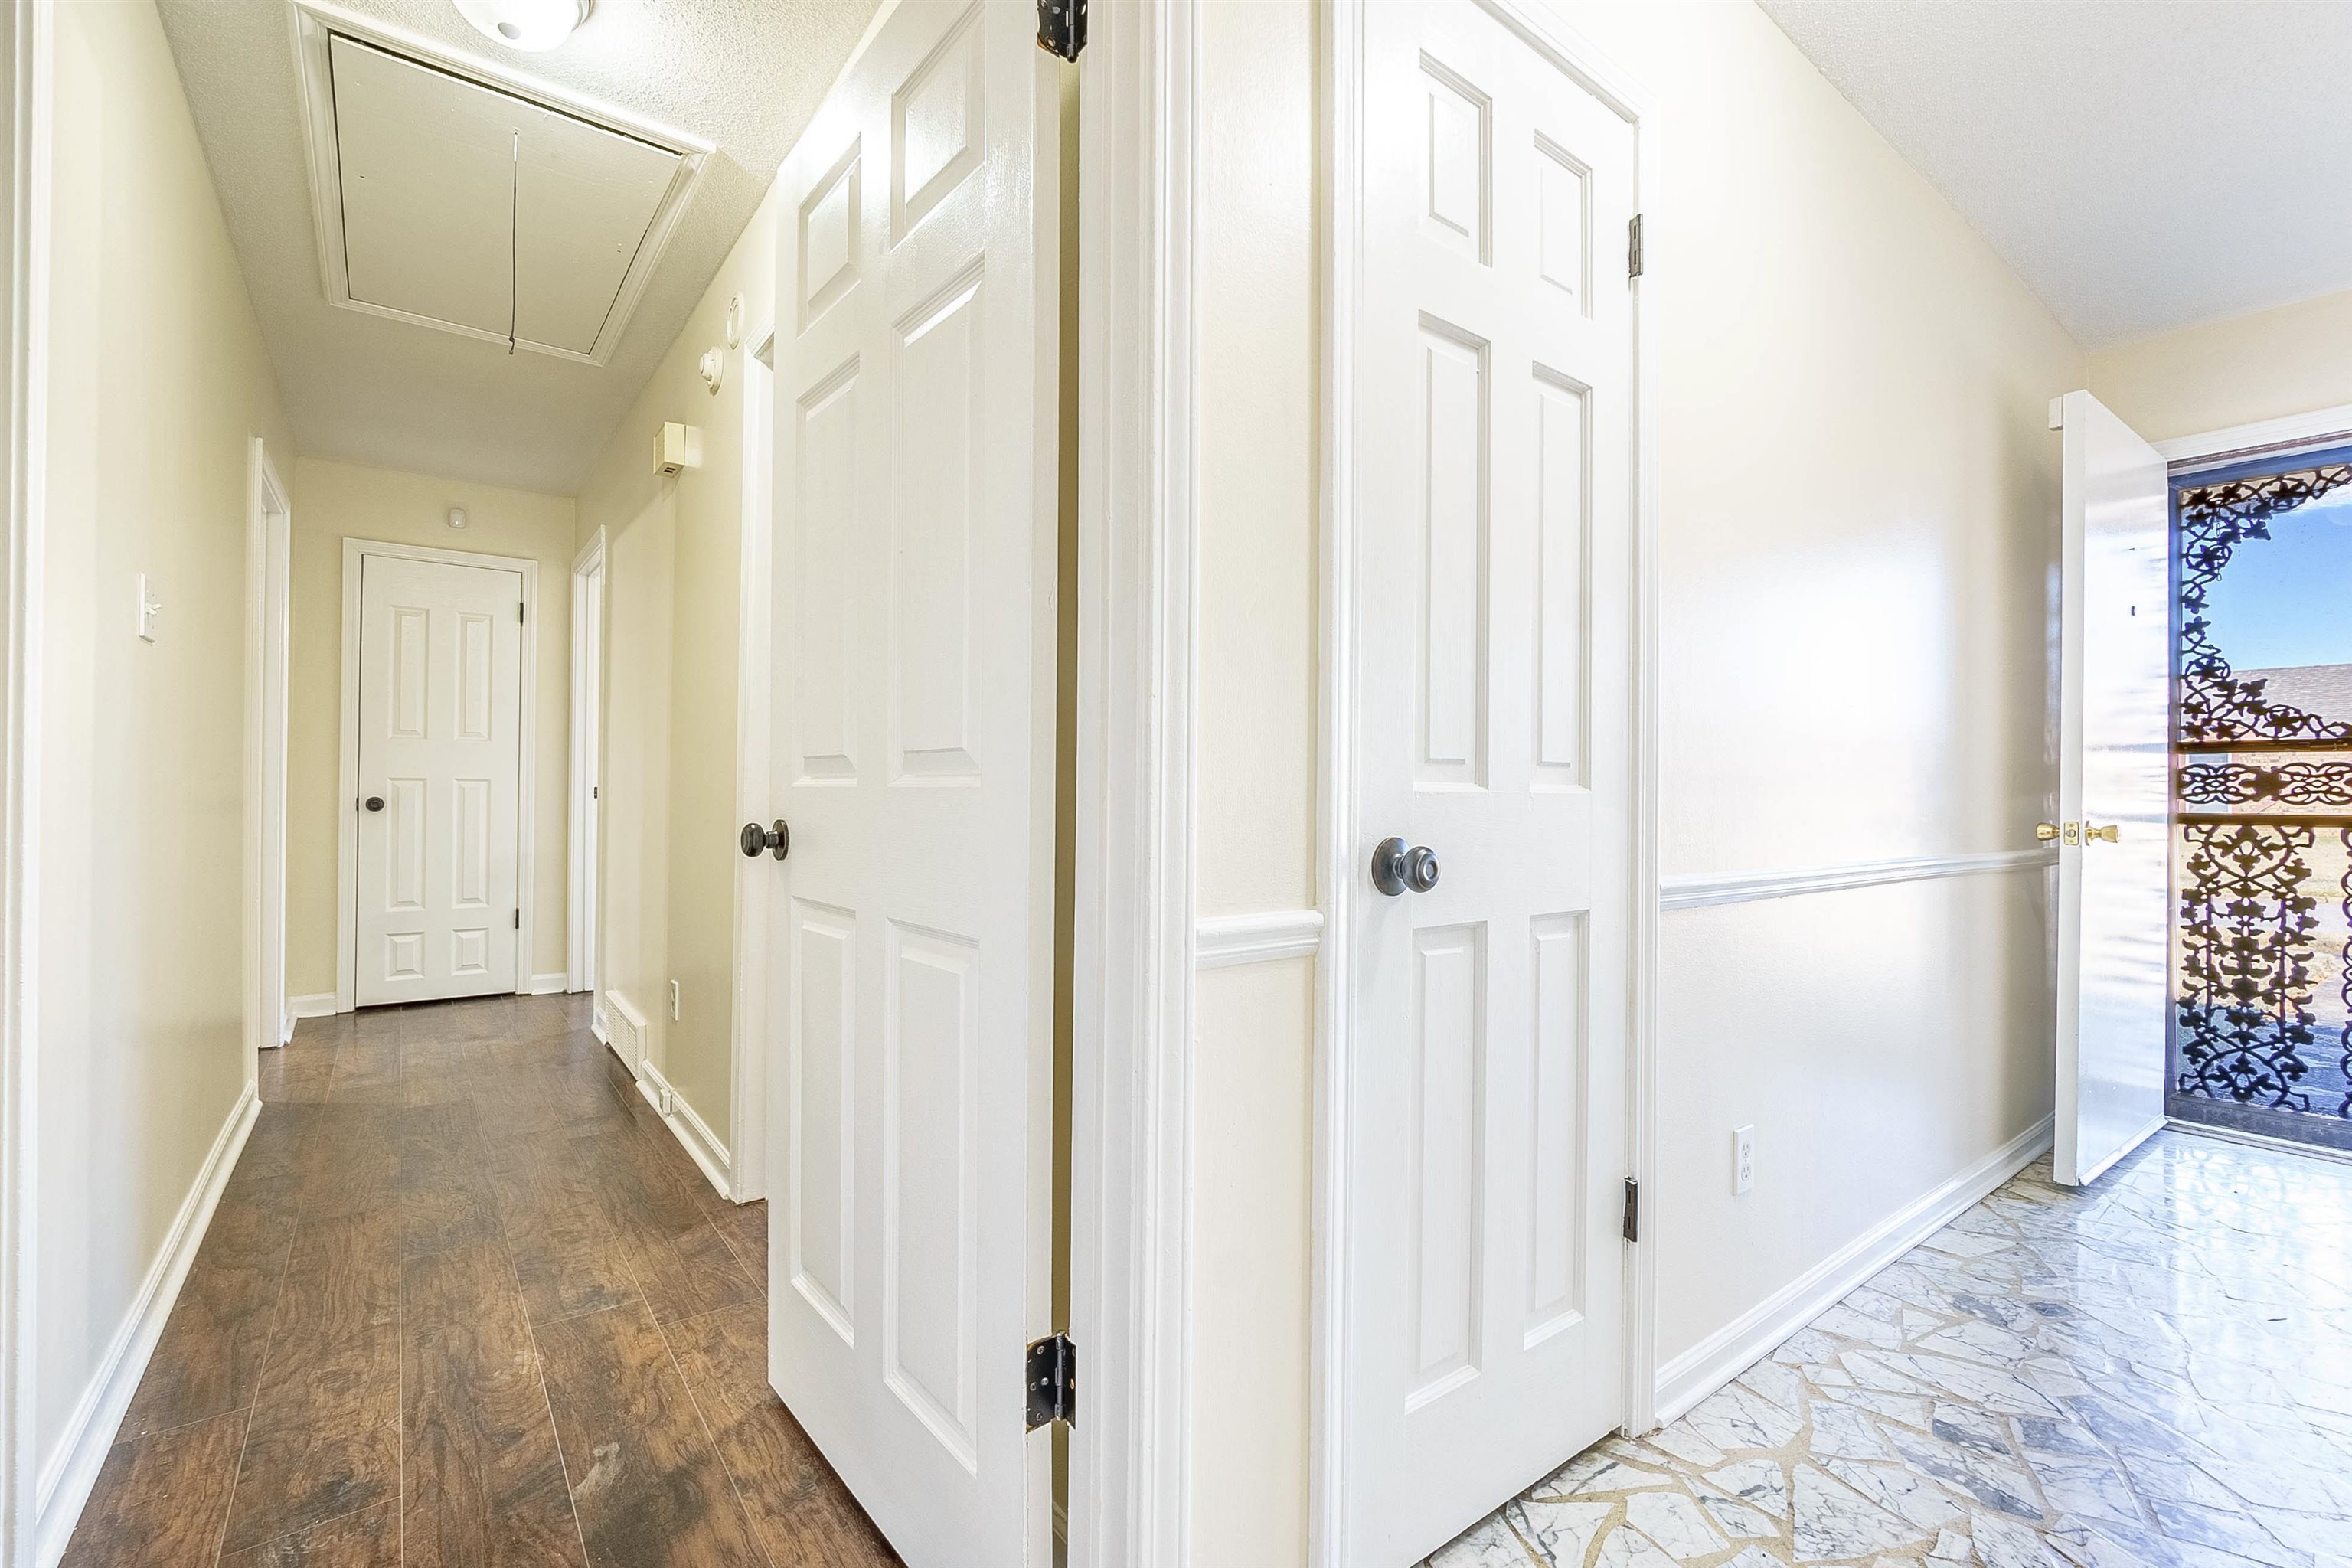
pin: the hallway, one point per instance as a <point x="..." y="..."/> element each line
<point x="2145" y="1374"/>
<point x="465" y="1302"/>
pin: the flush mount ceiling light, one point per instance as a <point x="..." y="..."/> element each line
<point x="533" y="24"/>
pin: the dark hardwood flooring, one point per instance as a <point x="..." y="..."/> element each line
<point x="465" y="1302"/>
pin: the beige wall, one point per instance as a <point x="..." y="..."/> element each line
<point x="335" y="502"/>
<point x="1252" y="1025"/>
<point x="1859" y="507"/>
<point x="159" y="381"/>
<point x="2296" y="359"/>
<point x="673" y="576"/>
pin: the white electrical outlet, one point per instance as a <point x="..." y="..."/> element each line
<point x="673" y="1001"/>
<point x="1743" y="1160"/>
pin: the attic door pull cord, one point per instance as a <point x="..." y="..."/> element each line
<point x="514" y="232"/>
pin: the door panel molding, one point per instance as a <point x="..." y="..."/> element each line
<point x="356" y="553"/>
<point x="1344" y="104"/>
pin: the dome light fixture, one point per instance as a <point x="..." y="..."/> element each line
<point x="535" y="26"/>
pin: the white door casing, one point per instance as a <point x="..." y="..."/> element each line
<point x="439" y="745"/>
<point x="587" y="762"/>
<point x="2114" y="772"/>
<point x="912" y="756"/>
<point x="270" y="543"/>
<point x="1494" y="604"/>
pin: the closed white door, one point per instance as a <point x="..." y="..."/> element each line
<point x="912" y="746"/>
<point x="1486" y="1109"/>
<point x="2113" y="775"/>
<point x="439" y="760"/>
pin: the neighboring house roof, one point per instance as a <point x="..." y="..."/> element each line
<point x="2324" y="690"/>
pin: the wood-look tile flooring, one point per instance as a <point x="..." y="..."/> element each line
<point x="465" y="1302"/>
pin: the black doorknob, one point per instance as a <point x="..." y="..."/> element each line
<point x="375" y="802"/>
<point x="778" y="839"/>
<point x="1399" y="868"/>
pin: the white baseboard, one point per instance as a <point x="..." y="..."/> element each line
<point x="553" y="984"/>
<point x="69" y="1473"/>
<point x="678" y="1114"/>
<point x="319" y="1005"/>
<point x="1756" y="1334"/>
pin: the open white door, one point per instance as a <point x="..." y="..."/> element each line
<point x="1490" y="1020"/>
<point x="2113" y="775"/>
<point x="913" y="748"/>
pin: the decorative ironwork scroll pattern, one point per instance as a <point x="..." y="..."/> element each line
<point x="2215" y="704"/>
<point x="2243" y="1001"/>
<point x="2303" y="784"/>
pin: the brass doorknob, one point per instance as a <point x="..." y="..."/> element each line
<point x="2046" y="832"/>
<point x="2107" y="833"/>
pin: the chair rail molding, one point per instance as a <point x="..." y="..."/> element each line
<point x="1264" y="938"/>
<point x="1703" y="892"/>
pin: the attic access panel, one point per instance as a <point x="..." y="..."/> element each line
<point x="452" y="201"/>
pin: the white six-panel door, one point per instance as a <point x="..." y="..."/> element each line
<point x="440" y="752"/>
<point x="910" y="1219"/>
<point x="2114" y="788"/>
<point x="1489" y="1023"/>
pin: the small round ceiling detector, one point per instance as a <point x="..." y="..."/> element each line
<point x="535" y="26"/>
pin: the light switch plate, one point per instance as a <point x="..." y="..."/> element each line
<point x="148" y="606"/>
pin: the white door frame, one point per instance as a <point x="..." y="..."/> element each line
<point x="26" y="51"/>
<point x="2320" y="427"/>
<point x="747" y="1168"/>
<point x="585" y="864"/>
<point x="346" y="860"/>
<point x="1342" y="169"/>
<point x="269" y="548"/>
<point x="1131" y="1069"/>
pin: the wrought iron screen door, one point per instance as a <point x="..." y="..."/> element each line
<point x="2262" y="1017"/>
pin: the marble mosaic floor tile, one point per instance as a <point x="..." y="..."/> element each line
<point x="2152" y="1372"/>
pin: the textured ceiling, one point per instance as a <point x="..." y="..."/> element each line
<point x="2144" y="164"/>
<point x="742" y="74"/>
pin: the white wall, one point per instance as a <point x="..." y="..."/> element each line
<point x="1859" y="517"/>
<point x="2293" y="359"/>
<point x="159" y="382"/>
<point x="335" y="502"/>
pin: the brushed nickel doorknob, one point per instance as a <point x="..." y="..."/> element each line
<point x="777" y="840"/>
<point x="1399" y="868"/>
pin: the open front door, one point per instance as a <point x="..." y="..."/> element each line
<point x="913" y="745"/>
<point x="2114" y="893"/>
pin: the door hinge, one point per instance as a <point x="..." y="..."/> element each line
<point x="1053" y="1382"/>
<point x="523" y="612"/>
<point x="518" y="919"/>
<point x="1062" y="27"/>
<point x="1632" y="1209"/>
<point x="1633" y="246"/>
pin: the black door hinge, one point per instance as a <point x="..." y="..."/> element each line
<point x="1633" y="246"/>
<point x="1632" y="1209"/>
<point x="1062" y="27"/>
<point x="523" y="612"/>
<point x="518" y="919"/>
<point x="1053" y="1382"/>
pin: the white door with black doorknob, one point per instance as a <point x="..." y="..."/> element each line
<point x="440" y="732"/>
<point x="1489" y="1022"/>
<point x="912" y="744"/>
